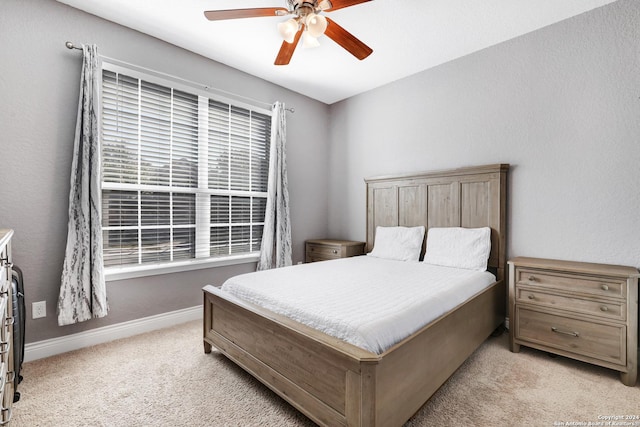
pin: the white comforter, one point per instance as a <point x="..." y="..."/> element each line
<point x="370" y="302"/>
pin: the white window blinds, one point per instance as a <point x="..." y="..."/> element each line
<point x="184" y="175"/>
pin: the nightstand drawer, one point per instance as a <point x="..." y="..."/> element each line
<point x="572" y="283"/>
<point x="327" y="249"/>
<point x="323" y="251"/>
<point x="609" y="309"/>
<point x="604" y="342"/>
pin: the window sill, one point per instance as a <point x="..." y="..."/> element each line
<point x="121" y="273"/>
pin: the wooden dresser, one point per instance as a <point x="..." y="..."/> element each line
<point x="580" y="310"/>
<point x="7" y="373"/>
<point x="326" y="249"/>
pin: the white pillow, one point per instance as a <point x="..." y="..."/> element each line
<point x="399" y="243"/>
<point x="459" y="247"/>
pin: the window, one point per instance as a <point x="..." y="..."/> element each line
<point x="184" y="175"/>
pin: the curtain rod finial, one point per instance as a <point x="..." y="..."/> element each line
<point x="70" y="45"/>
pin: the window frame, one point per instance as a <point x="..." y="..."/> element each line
<point x="156" y="268"/>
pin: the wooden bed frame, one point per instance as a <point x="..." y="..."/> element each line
<point x="335" y="383"/>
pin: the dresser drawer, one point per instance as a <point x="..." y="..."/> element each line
<point x="3" y="379"/>
<point x="7" y="401"/>
<point x="4" y="280"/>
<point x="572" y="283"/>
<point x="6" y="348"/>
<point x="608" y="310"/>
<point x="4" y="300"/>
<point x="599" y="341"/>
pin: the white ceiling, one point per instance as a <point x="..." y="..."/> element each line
<point x="406" y="36"/>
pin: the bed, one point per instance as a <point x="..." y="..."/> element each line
<point x="335" y="382"/>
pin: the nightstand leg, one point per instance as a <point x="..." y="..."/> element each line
<point x="629" y="378"/>
<point x="515" y="348"/>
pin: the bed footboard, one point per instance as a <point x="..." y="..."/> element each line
<point x="335" y="383"/>
<point x="321" y="376"/>
<point x="413" y="370"/>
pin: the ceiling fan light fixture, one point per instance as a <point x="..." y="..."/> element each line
<point x="324" y="5"/>
<point x="316" y="24"/>
<point x="288" y="29"/>
<point x="308" y="40"/>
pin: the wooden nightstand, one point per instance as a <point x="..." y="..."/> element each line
<point x="580" y="310"/>
<point x="326" y="249"/>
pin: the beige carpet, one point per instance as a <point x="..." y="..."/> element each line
<point x="163" y="378"/>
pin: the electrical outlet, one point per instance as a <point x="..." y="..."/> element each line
<point x="38" y="309"/>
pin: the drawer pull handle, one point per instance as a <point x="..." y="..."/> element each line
<point x="532" y="297"/>
<point x="9" y="413"/>
<point x="558" y="331"/>
<point x="335" y="251"/>
<point x="604" y="287"/>
<point x="604" y="308"/>
<point x="532" y="278"/>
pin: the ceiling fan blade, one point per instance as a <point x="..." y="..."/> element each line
<point x="339" y="4"/>
<point x="218" y="15"/>
<point x="347" y="40"/>
<point x="286" y="50"/>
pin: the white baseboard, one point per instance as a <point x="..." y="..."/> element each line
<point x="51" y="347"/>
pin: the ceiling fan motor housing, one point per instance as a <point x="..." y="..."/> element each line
<point x="303" y="8"/>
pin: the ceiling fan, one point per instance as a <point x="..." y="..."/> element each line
<point x="307" y="22"/>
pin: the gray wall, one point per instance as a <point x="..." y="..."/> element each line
<point x="561" y="105"/>
<point x="39" y="86"/>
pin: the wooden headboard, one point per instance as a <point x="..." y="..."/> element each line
<point x="465" y="197"/>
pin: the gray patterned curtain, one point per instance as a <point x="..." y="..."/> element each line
<point x="275" y="250"/>
<point x="83" y="293"/>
